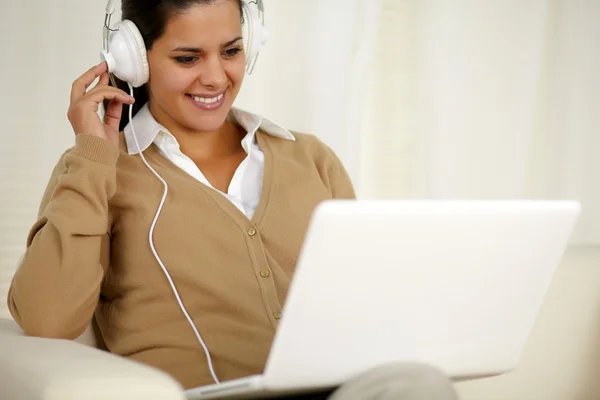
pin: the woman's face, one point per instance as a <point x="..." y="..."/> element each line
<point x="197" y="67"/>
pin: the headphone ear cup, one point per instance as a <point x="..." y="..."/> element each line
<point x="127" y="58"/>
<point x="257" y="33"/>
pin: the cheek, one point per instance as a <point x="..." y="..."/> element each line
<point x="177" y="83"/>
<point x="180" y="83"/>
<point x="170" y="79"/>
<point x="236" y="75"/>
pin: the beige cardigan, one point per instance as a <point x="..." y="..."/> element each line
<point x="88" y="254"/>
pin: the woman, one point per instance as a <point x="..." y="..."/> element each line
<point x="241" y="190"/>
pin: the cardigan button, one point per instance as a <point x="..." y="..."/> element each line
<point x="265" y="273"/>
<point x="251" y="232"/>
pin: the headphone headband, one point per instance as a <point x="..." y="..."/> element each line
<point x="110" y="7"/>
<point x="125" y="53"/>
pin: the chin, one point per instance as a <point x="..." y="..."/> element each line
<point x="204" y="120"/>
<point x="207" y="123"/>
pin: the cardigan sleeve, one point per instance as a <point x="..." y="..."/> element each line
<point x="56" y="288"/>
<point x="341" y="184"/>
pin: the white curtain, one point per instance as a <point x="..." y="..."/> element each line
<point x="312" y="75"/>
<point x="486" y="99"/>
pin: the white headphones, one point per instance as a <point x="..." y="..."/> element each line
<point x="125" y="52"/>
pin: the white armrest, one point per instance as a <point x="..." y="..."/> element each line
<point x="51" y="369"/>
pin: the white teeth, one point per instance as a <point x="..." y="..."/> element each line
<point x="208" y="100"/>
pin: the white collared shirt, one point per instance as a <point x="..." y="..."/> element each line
<point x="246" y="185"/>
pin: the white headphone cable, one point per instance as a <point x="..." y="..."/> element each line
<point x="150" y="239"/>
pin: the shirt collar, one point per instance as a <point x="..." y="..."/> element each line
<point x="147" y="128"/>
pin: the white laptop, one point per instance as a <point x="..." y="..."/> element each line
<point x="456" y="284"/>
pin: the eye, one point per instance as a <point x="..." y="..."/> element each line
<point x="186" y="59"/>
<point x="232" y="52"/>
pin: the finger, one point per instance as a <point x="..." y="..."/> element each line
<point x="103" y="79"/>
<point x="99" y="88"/>
<point x="81" y="84"/>
<point x="98" y="95"/>
<point x="112" y="116"/>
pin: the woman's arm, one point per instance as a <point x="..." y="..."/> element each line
<point x="56" y="288"/>
<point x="341" y="185"/>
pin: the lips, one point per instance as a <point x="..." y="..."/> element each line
<point x="206" y="102"/>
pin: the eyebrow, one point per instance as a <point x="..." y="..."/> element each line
<point x="186" y="49"/>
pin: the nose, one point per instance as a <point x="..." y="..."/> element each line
<point x="213" y="75"/>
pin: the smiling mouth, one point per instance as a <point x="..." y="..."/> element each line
<point x="207" y="103"/>
<point x="207" y="100"/>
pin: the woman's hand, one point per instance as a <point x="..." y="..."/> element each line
<point x="83" y="110"/>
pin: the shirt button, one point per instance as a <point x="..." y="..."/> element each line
<point x="277" y="315"/>
<point x="265" y="273"/>
<point x="251" y="232"/>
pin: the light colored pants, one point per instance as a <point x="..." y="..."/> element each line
<point x="393" y="382"/>
<point x="398" y="382"/>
